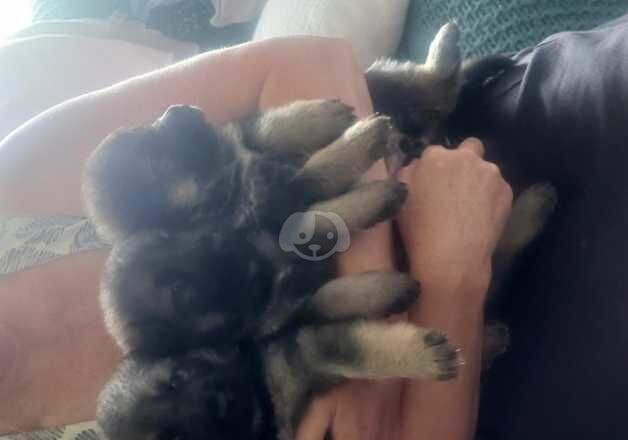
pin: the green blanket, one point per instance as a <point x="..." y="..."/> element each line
<point x="498" y="26"/>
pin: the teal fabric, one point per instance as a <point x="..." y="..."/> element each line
<point x="498" y="26"/>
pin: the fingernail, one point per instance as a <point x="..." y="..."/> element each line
<point x="461" y="361"/>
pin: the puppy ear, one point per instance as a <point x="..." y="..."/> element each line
<point x="444" y="56"/>
<point x="118" y="182"/>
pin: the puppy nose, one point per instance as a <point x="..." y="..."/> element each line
<point x="180" y="116"/>
<point x="315" y="248"/>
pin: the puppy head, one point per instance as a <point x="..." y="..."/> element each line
<point x="167" y="292"/>
<point x="199" y="395"/>
<point x="314" y="235"/>
<point x="166" y="175"/>
<point x="419" y="98"/>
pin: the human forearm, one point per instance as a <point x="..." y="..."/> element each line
<point x="454" y="215"/>
<point x="42" y="161"/>
<point x="447" y="410"/>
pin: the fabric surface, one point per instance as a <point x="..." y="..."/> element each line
<point x="374" y="27"/>
<point x="502" y="26"/>
<point x="79" y="431"/>
<point x="28" y="241"/>
<point x="560" y="116"/>
<point x="44" y="10"/>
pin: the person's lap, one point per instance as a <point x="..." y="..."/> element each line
<point x="560" y="117"/>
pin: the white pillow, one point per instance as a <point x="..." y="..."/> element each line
<point x="235" y="11"/>
<point x="374" y="27"/>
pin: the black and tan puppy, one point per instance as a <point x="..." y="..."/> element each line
<point x="421" y="97"/>
<point x="180" y="287"/>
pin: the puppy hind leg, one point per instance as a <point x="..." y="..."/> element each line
<point x="530" y="213"/>
<point x="367" y="295"/>
<point x="373" y="350"/>
<point x="341" y="164"/>
<point x="302" y="127"/>
<point x="366" y="205"/>
<point x="495" y="342"/>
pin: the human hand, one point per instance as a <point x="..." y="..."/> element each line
<point x="455" y="213"/>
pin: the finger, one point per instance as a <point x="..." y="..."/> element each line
<point x="317" y="421"/>
<point x="474" y="145"/>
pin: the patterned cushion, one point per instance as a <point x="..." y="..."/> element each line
<point x="502" y="26"/>
<point x="79" y="431"/>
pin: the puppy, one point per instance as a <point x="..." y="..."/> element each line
<point x="175" y="289"/>
<point x="420" y="98"/>
<point x="261" y="388"/>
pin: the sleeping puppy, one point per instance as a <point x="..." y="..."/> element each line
<point x="260" y="389"/>
<point x="175" y="290"/>
<point x="190" y="216"/>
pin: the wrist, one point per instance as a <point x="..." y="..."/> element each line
<point x="454" y="283"/>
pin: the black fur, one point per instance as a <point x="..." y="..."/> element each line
<point x="205" y="273"/>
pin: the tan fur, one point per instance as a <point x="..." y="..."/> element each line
<point x="363" y="206"/>
<point x="375" y="294"/>
<point x="373" y="350"/>
<point x="339" y="165"/>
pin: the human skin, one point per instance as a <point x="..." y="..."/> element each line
<point x="54" y="352"/>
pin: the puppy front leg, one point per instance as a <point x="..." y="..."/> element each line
<point x="374" y="350"/>
<point x="530" y="213"/>
<point x="366" y="205"/>
<point x="367" y="295"/>
<point x="302" y="127"/>
<point x="341" y="164"/>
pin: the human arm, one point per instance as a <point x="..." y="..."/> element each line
<point x="456" y="211"/>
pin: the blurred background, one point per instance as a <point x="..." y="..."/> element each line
<point x="14" y="15"/>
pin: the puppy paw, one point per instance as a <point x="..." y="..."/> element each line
<point x="372" y="134"/>
<point x="530" y="213"/>
<point x="328" y="118"/>
<point x="317" y="123"/>
<point x="542" y="199"/>
<point x="443" y="359"/>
